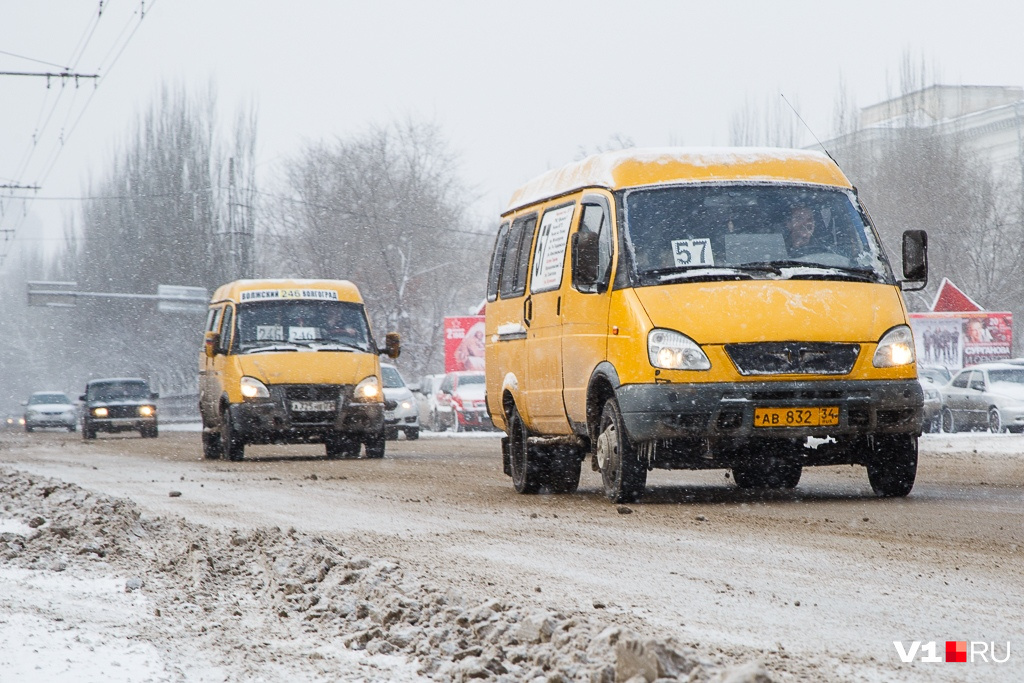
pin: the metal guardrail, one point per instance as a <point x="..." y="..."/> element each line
<point x="179" y="408"/>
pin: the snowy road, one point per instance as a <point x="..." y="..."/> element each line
<point x="816" y="583"/>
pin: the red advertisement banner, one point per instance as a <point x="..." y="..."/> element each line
<point x="464" y="343"/>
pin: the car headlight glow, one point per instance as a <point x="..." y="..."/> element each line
<point x="895" y="348"/>
<point x="368" y="390"/>
<point x="146" y="411"/>
<point x="407" y="404"/>
<point x="675" y="351"/>
<point x="253" y="388"/>
<point x="100" y="412"/>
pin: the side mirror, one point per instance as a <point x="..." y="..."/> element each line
<point x="915" y="259"/>
<point x="154" y="396"/>
<point x="392" y="344"/>
<point x="211" y="341"/>
<point x="585" y="260"/>
<point x="82" y="397"/>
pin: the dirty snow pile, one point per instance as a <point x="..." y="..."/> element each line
<point x="175" y="601"/>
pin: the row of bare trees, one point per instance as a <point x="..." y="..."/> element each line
<point x="179" y="205"/>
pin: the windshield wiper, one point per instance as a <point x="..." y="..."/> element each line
<point x="270" y="347"/>
<point x="704" y="273"/>
<point x="338" y="346"/>
<point x="832" y="272"/>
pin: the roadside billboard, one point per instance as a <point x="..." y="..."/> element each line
<point x="463" y="343"/>
<point x="956" y="340"/>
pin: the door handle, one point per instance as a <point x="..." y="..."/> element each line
<point x="527" y="310"/>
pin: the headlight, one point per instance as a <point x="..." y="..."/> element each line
<point x="146" y="411"/>
<point x="674" y="351"/>
<point x="895" y="348"/>
<point x="253" y="388"/>
<point x="407" y="404"/>
<point x="100" y="412"/>
<point x="368" y="390"/>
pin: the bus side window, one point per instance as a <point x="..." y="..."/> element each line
<point x="496" y="260"/>
<point x="517" y="257"/>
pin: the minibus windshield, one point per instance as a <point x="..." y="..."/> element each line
<point x="729" y="231"/>
<point x="320" y="324"/>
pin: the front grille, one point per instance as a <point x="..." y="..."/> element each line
<point x="118" y="412"/>
<point x="311" y="392"/>
<point x="793" y="358"/>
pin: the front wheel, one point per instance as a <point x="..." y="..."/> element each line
<point x="211" y="446"/>
<point x="72" y="428"/>
<point x="412" y="434"/>
<point x="435" y="422"/>
<point x="948" y="425"/>
<point x="892" y="467"/>
<point x="623" y="473"/>
<point x="375" y="446"/>
<point x="341" y="446"/>
<point x="88" y="431"/>
<point x="230" y="439"/>
<point x="995" y="421"/>
<point x="150" y="432"/>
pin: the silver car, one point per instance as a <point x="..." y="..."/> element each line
<point x="989" y="395"/>
<point x="932" y="380"/>
<point x="50" y="409"/>
<point x="405" y="416"/>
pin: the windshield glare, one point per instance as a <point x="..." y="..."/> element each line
<point x="391" y="378"/>
<point x="674" y="229"/>
<point x="42" y="399"/>
<point x="302" y="323"/>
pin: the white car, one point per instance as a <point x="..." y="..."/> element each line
<point x="405" y="416"/>
<point x="988" y="395"/>
<point x="426" y="397"/>
<point x="50" y="409"/>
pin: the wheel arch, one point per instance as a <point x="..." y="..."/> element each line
<point x="603" y="383"/>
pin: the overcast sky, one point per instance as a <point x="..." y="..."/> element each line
<point x="517" y="87"/>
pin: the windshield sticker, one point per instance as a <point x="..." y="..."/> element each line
<point x="695" y="252"/>
<point x="549" y="257"/>
<point x="266" y="294"/>
<point x="269" y="333"/>
<point x="302" y="333"/>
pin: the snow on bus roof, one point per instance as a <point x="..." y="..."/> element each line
<point x="656" y="165"/>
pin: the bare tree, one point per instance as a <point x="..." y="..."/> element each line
<point x="384" y="209"/>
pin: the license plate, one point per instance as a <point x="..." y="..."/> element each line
<point x="796" y="417"/>
<point x="313" y="406"/>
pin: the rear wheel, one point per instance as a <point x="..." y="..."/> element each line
<point x="527" y="468"/>
<point x="375" y="446"/>
<point x="623" y="473"/>
<point x="211" y="446"/>
<point x="892" y="467"/>
<point x="230" y="439"/>
<point x="412" y="434"/>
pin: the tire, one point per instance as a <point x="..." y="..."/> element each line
<point x="375" y="446"/>
<point x="149" y="432"/>
<point x="995" y="421"/>
<point x="211" y="446"/>
<point x="230" y="440"/>
<point x="948" y="425"/>
<point x="29" y="429"/>
<point x="564" y="465"/>
<point x="88" y="432"/>
<point x="770" y="474"/>
<point x="72" y="428"/>
<point x="892" y="468"/>
<point x="341" y="446"/>
<point x="412" y="434"/>
<point x="623" y="473"/>
<point x="528" y="475"/>
<point x="390" y="434"/>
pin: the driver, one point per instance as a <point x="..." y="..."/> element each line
<point x="799" y="229"/>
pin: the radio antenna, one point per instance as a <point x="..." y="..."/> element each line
<point x="809" y="129"/>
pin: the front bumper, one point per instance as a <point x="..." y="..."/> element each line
<point x="402" y="418"/>
<point x="120" y="424"/>
<point x="51" y="421"/>
<point x="726" y="410"/>
<point x="274" y="421"/>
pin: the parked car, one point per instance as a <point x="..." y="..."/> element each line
<point x="932" y="379"/>
<point x="460" y="402"/>
<point x="426" y="399"/>
<point x="50" y="409"/>
<point x="405" y="415"/>
<point x="119" y="404"/>
<point x="989" y="395"/>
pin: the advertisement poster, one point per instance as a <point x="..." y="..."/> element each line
<point x="464" y="343"/>
<point x="956" y="340"/>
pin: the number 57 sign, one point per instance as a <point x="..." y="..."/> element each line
<point x="695" y="252"/>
